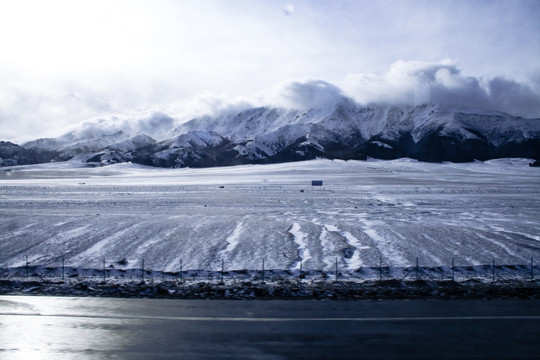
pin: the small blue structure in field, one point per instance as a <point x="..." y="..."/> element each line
<point x="316" y="182"/>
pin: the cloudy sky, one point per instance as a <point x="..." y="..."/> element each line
<point x="63" y="62"/>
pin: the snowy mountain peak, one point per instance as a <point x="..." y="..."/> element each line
<point x="343" y="129"/>
<point x="195" y="138"/>
<point x="133" y="143"/>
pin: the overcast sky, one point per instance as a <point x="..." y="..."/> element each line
<point x="62" y="62"/>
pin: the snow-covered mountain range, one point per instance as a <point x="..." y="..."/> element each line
<point x="345" y="130"/>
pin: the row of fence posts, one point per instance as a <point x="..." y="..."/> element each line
<point x="417" y="269"/>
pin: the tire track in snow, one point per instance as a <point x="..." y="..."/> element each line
<point x="326" y="245"/>
<point x="385" y="246"/>
<point x="508" y="231"/>
<point x="99" y="249"/>
<point x="354" y="262"/>
<point x="498" y="244"/>
<point x="300" y="240"/>
<point x="327" y="248"/>
<point x="232" y="240"/>
<point x="427" y="254"/>
<point x="64" y="236"/>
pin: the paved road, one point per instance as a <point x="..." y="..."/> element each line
<point x="99" y="328"/>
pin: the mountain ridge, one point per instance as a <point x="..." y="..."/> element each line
<point x="269" y="134"/>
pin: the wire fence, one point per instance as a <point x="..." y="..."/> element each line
<point x="119" y="272"/>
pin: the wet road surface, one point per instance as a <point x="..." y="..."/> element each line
<point x="101" y="328"/>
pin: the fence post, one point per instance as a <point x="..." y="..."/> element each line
<point x="493" y="270"/>
<point x="142" y="270"/>
<point x="380" y="268"/>
<point x="63" y="267"/>
<point x="27" y="266"/>
<point x="453" y="270"/>
<point x="221" y="270"/>
<point x="181" y="272"/>
<point x="417" y="272"/>
<point x="532" y="270"/>
<point x="103" y="269"/>
<point x="263" y="270"/>
<point x="336" y="270"/>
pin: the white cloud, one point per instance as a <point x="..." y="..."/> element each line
<point x="444" y="83"/>
<point x="64" y="61"/>
<point x="288" y="9"/>
<point x="301" y="94"/>
<point x="403" y="84"/>
<point x="207" y="103"/>
<point x="154" y="123"/>
<point x="514" y="97"/>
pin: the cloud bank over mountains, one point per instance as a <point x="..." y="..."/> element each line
<point x="406" y="83"/>
<point x="447" y="85"/>
<point x="64" y="62"/>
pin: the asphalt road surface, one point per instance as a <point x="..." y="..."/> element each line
<point x="42" y="327"/>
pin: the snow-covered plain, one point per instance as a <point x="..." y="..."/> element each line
<point x="394" y="211"/>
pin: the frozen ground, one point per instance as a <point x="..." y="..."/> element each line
<point x="394" y="211"/>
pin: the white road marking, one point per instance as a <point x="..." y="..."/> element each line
<point x="269" y="319"/>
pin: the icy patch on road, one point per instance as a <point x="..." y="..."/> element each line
<point x="300" y="239"/>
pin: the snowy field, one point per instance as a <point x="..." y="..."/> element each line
<point x="394" y="211"/>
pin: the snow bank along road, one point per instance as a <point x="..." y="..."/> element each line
<point x="364" y="212"/>
<point x="80" y="328"/>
